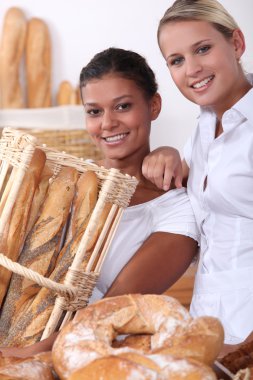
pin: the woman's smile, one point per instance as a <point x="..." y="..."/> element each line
<point x="115" y="139"/>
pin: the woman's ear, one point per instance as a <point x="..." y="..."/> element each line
<point x="156" y="105"/>
<point x="238" y="42"/>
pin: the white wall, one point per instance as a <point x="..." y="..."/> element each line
<point x="81" y="28"/>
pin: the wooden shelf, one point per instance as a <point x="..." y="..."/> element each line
<point x="183" y="288"/>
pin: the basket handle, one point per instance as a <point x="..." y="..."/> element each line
<point x="68" y="292"/>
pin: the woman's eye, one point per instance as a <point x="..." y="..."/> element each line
<point x="123" y="106"/>
<point x="93" y="112"/>
<point x="203" y="49"/>
<point x="176" y="61"/>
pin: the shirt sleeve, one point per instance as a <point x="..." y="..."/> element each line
<point x="174" y="214"/>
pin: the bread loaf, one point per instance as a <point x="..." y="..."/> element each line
<point x="29" y="327"/>
<point x="38" y="64"/>
<point x="41" y="248"/>
<point x="87" y="339"/>
<point x="240" y="358"/>
<point x="19" y="216"/>
<point x="157" y="368"/>
<point x="26" y="369"/>
<point x="39" y="197"/>
<point x="66" y="94"/>
<point x="11" y="52"/>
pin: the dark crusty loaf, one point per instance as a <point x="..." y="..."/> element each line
<point x="240" y="358"/>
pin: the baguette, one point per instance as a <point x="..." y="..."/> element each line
<point x="66" y="94"/>
<point x="38" y="64"/>
<point x="41" y="247"/>
<point x="19" y="216"/>
<point x="11" y="52"/>
<point x="39" y="197"/>
<point x="29" y="327"/>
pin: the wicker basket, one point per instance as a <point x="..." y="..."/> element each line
<point x="76" y="142"/>
<point x="16" y="149"/>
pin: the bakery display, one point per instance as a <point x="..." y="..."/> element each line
<point x="26" y="65"/>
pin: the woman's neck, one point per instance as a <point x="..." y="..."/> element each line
<point x="131" y="165"/>
<point x="242" y="87"/>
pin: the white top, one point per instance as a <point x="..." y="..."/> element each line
<point x="171" y="212"/>
<point x="224" y="213"/>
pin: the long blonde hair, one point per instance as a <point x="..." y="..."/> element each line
<point x="203" y="10"/>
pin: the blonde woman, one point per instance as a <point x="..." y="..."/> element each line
<point x="202" y="46"/>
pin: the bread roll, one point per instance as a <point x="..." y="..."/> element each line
<point x="40" y="250"/>
<point x="66" y="94"/>
<point x="19" y="216"/>
<point x="38" y="64"/>
<point x="11" y="52"/>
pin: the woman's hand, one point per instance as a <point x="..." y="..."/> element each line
<point x="161" y="165"/>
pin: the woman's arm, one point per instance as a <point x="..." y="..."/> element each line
<point x="158" y="264"/>
<point x="33" y="349"/>
<point x="164" y="164"/>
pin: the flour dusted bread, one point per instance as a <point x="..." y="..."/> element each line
<point x="90" y="335"/>
<point x="25" y="369"/>
<point x="38" y="64"/>
<point x="11" y="52"/>
<point x="40" y="250"/>
<point x="118" y="367"/>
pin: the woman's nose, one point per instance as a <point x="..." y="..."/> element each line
<point x="109" y="120"/>
<point x="193" y="66"/>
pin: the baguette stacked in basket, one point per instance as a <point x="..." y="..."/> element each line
<point x="43" y="227"/>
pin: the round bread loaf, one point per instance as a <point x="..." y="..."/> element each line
<point x="90" y="335"/>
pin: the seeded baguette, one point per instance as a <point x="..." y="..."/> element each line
<point x="41" y="247"/>
<point x="29" y="327"/>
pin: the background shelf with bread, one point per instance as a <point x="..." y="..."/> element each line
<point x="26" y="96"/>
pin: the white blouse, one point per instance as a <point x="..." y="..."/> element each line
<point x="171" y="212"/>
<point x="220" y="187"/>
